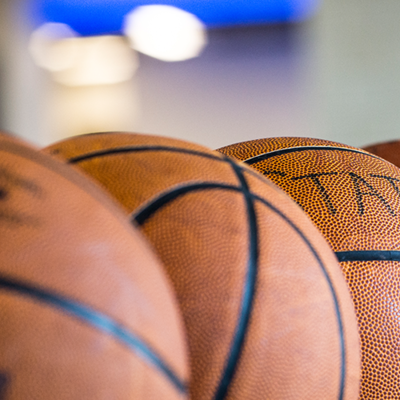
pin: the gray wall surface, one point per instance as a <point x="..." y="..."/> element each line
<point x="334" y="77"/>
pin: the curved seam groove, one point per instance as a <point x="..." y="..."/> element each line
<point x="332" y="289"/>
<point x="249" y="291"/>
<point x="140" y="217"/>
<point x="146" y="213"/>
<point x="98" y="320"/>
<point x="265" y="156"/>
<point x="137" y="149"/>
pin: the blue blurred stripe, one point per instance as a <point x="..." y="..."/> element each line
<point x="95" y="17"/>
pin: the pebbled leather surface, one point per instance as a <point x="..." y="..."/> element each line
<point x="354" y="199"/>
<point x="73" y="274"/>
<point x="212" y="221"/>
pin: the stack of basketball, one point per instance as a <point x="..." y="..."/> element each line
<point x="267" y="310"/>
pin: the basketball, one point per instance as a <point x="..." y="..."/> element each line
<point x="266" y="308"/>
<point x="390" y="151"/>
<point x="86" y="310"/>
<point x="354" y="199"/>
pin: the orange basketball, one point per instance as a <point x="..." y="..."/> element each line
<point x="390" y="151"/>
<point x="266" y="307"/>
<point x="354" y="198"/>
<point x="85" y="309"/>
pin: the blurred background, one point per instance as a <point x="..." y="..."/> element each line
<point x="223" y="71"/>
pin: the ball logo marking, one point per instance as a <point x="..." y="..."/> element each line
<point x="362" y="188"/>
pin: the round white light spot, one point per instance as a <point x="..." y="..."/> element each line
<point x="50" y="47"/>
<point x="165" y="32"/>
<point x="81" y="61"/>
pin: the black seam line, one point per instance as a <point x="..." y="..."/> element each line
<point x="98" y="320"/>
<point x="144" y="214"/>
<point x="137" y="149"/>
<point x="368" y="255"/>
<point x="249" y="291"/>
<point x="264" y="156"/>
<point x="221" y="157"/>
<point x="331" y="287"/>
<point x="131" y="149"/>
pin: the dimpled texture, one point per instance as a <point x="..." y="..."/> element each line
<point x="73" y="275"/>
<point x="258" y="286"/>
<point x="353" y="197"/>
<point x="390" y="151"/>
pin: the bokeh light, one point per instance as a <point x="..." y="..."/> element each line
<point x="81" y="61"/>
<point x="165" y="32"/>
<point x="51" y="48"/>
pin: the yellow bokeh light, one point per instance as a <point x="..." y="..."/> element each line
<point x="100" y="60"/>
<point x="82" y="61"/>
